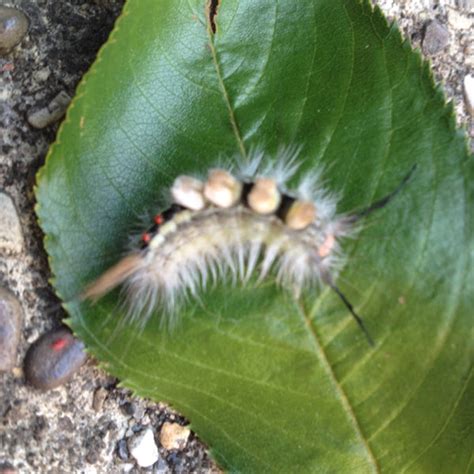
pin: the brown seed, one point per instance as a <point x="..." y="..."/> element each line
<point x="53" y="359"/>
<point x="300" y="215"/>
<point x="264" y="198"/>
<point x="222" y="189"/>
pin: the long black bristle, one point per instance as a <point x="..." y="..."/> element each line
<point x="381" y="203"/>
<point x="349" y="306"/>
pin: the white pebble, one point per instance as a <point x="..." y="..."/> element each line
<point x="469" y="93"/>
<point x="50" y="114"/>
<point x="143" y="448"/>
<point x="459" y="20"/>
<point x="126" y="467"/>
<point x="11" y="236"/>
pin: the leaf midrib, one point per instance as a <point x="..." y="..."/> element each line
<point x="341" y="394"/>
<point x="220" y="79"/>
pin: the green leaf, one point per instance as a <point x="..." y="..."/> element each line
<point x="270" y="383"/>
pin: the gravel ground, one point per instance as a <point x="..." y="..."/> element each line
<point x="90" y="425"/>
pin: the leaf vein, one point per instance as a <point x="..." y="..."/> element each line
<point x="225" y="94"/>
<point x="445" y="424"/>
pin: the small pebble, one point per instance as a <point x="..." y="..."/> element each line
<point x="7" y="468"/>
<point x="128" y="408"/>
<point x="17" y="372"/>
<point x="99" y="398"/>
<point x="126" y="467"/>
<point x="11" y="236"/>
<point x="92" y="457"/>
<point x="136" y="427"/>
<point x="13" y="27"/>
<point x="459" y="20"/>
<point x="465" y="5"/>
<point x="65" y="424"/>
<point x="122" y="450"/>
<point x="11" y="316"/>
<point x="161" y="467"/>
<point x="469" y="93"/>
<point x="435" y="39"/>
<point x="50" y="114"/>
<point x="140" y="413"/>
<point x="53" y="359"/>
<point x="41" y="75"/>
<point x="174" y="436"/>
<point x="143" y="448"/>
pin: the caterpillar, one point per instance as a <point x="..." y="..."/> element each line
<point x="237" y="222"/>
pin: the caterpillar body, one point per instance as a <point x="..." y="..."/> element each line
<point x="236" y="223"/>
